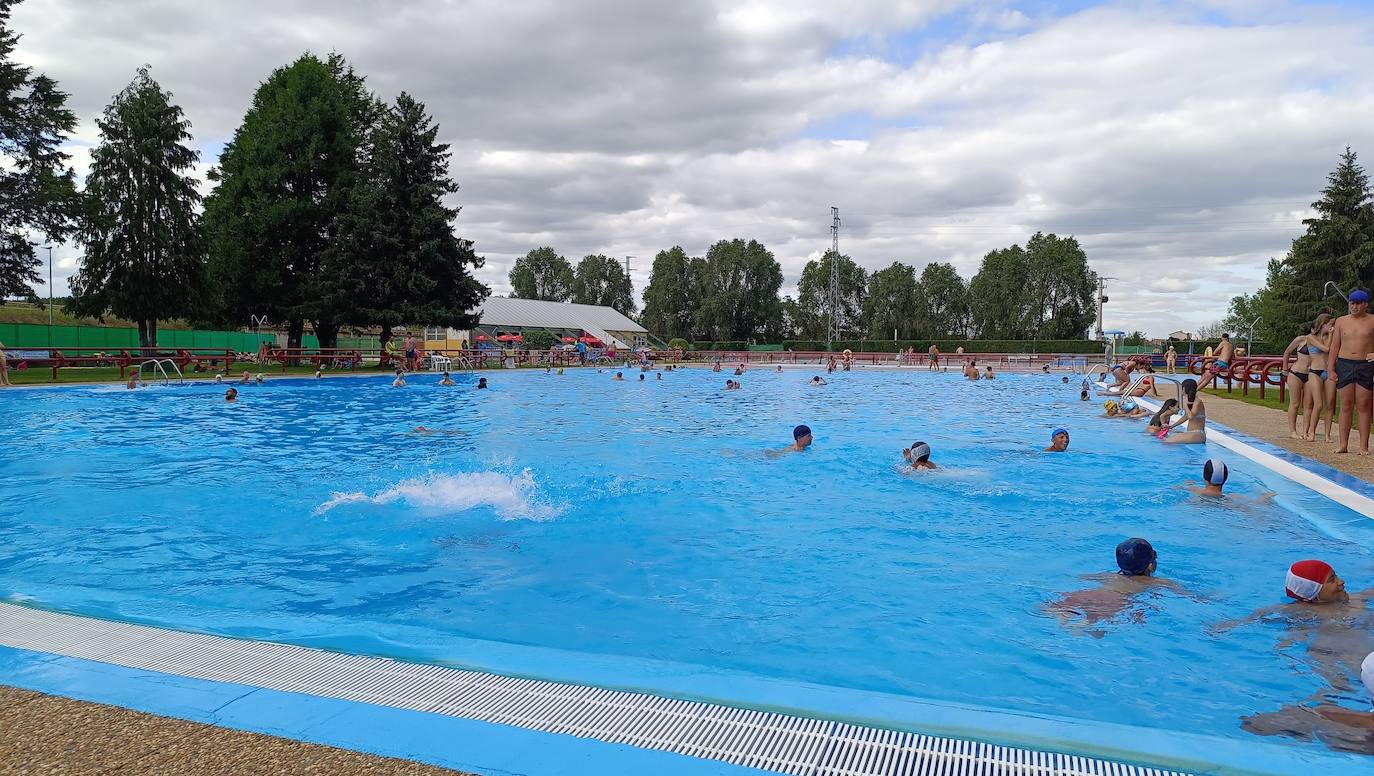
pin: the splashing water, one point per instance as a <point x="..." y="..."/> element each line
<point x="511" y="497"/>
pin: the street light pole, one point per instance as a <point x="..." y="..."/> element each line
<point x="49" y="249"/>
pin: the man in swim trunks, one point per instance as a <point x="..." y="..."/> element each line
<point x="1059" y="441"/>
<point x="934" y="355"/>
<point x="1225" y="352"/>
<point x="1352" y="343"/>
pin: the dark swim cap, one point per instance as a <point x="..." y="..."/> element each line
<point x="801" y="431"/>
<point x="1215" y="472"/>
<point x="1134" y="557"/>
<point x="920" y="451"/>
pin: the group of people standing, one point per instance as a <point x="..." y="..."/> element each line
<point x="1333" y="359"/>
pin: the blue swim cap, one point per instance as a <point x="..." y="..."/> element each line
<point x="1134" y="557"/>
<point x="1057" y="432"/>
<point x="801" y="431"/>
<point x="1128" y="404"/>
<point x="1215" y="472"/>
<point x="1358" y="296"/>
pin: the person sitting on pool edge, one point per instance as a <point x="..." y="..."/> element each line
<point x="232" y="394"/>
<point x="918" y="455"/>
<point x="481" y="382"/>
<point x="1059" y="441"/>
<point x="446" y="380"/>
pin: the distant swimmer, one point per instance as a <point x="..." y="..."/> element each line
<point x="619" y="376"/>
<point x="133" y="381"/>
<point x="817" y="380"/>
<point x="1059" y="441"/>
<point x="246" y="379"/>
<point x="715" y="367"/>
<point x="232" y="394"/>
<point x="560" y="370"/>
<point x="739" y="370"/>
<point x="1065" y="380"/>
<point x="1083" y="395"/>
<point x="481" y="382"/>
<point x="319" y="372"/>
<point x="259" y="378"/>
<point x="988" y="375"/>
<point x="801" y="438"/>
<point x="1117" y="594"/>
<point x="971" y="370"/>
<point x="446" y="380"/>
<point x="641" y="377"/>
<point x="659" y="376"/>
<point x="400" y="380"/>
<point x="1214" y="476"/>
<point x="779" y="369"/>
<point x="918" y="455"/>
<point x="1046" y="369"/>
<point x="1161" y="419"/>
<point x="733" y="385"/>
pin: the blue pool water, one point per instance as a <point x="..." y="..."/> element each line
<point x="643" y="522"/>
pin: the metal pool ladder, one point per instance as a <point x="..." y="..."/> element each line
<point x="157" y="363"/>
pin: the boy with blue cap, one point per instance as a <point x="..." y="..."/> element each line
<point x="1059" y="441"/>
<point x="1352" y="343"/>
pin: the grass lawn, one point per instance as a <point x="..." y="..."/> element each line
<point x="1270" y="400"/>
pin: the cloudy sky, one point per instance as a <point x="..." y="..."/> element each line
<point x="1181" y="141"/>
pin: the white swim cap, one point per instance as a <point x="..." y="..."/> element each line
<point x="1215" y="472"/>
<point x="1367" y="674"/>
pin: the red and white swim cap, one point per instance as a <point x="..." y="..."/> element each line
<point x="1305" y="579"/>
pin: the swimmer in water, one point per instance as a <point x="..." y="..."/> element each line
<point x="232" y="394"/>
<point x="801" y="438"/>
<point x="1083" y="395"/>
<point x="1059" y="441"/>
<point x="1161" y="419"/>
<point x="659" y="377"/>
<point x="619" y="377"/>
<point x="739" y="371"/>
<point x="259" y="378"/>
<point x="971" y="370"/>
<point x="989" y="375"/>
<point x="400" y="380"/>
<point x="1119" y="593"/>
<point x="481" y="382"/>
<point x="733" y="385"/>
<point x="779" y="369"/>
<point x="133" y="381"/>
<point x="641" y="377"/>
<point x="1214" y="476"/>
<point x="818" y="380"/>
<point x="446" y="380"/>
<point x="1337" y="630"/>
<point x="918" y="455"/>
<point x="245" y="379"/>
<point x="319" y="372"/>
<point x="1123" y="409"/>
<point x="1065" y="381"/>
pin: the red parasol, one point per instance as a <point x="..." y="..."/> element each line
<point x="510" y="338"/>
<point x="481" y="338"/>
<point x="569" y="340"/>
<point x="590" y="340"/>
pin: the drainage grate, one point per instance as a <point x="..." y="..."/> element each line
<point x="772" y="742"/>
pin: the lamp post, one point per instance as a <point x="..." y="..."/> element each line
<point x="49" y="249"/>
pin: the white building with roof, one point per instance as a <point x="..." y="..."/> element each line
<point x="502" y="316"/>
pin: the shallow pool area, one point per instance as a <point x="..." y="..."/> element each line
<point x="639" y="534"/>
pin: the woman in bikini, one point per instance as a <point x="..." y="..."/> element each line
<point x="1194" y="414"/>
<point x="1161" y="419"/>
<point x="1296" y="378"/>
<point x="1321" y="382"/>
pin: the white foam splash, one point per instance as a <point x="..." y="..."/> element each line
<point x="511" y="497"/>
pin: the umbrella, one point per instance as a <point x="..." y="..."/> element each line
<point x="510" y="338"/>
<point x="590" y="340"/>
<point x="481" y="338"/>
<point x="569" y="340"/>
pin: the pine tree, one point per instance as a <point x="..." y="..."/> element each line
<point x="142" y="235"/>
<point x="37" y="187"/>
<point x="398" y="260"/>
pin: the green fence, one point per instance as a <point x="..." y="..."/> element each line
<point x="27" y="335"/>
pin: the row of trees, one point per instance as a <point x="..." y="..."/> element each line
<point x="328" y="206"/>
<point x="1337" y="246"/>
<point x="1043" y="290"/>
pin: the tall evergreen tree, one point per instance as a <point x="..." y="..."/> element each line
<point x="892" y="303"/>
<point x="813" y="297"/>
<point x="397" y="259"/>
<point x="284" y="181"/>
<point x="669" y="304"/>
<point x="737" y="283"/>
<point x="37" y="187"/>
<point x="1337" y="246"/>
<point x="601" y="280"/>
<point x="542" y="274"/>
<point x="145" y="251"/>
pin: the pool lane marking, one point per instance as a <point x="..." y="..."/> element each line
<point x="1346" y="497"/>
<point x="752" y="738"/>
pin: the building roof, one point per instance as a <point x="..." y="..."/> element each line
<point x="500" y="311"/>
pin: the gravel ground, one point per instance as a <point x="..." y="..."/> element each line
<point x="1272" y="426"/>
<point x="43" y="734"/>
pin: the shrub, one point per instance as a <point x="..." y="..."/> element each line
<point x="678" y="343"/>
<point x="539" y="340"/>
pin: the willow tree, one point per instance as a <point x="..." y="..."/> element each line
<point x="145" y="251"/>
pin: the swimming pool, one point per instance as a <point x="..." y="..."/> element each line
<point x="631" y="533"/>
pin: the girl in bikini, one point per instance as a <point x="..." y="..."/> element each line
<point x="1296" y="378"/>
<point x="1321" y="384"/>
<point x="1194" y="414"/>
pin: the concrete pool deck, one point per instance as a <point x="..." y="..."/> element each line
<point x="1271" y="425"/>
<point x="53" y="735"/>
